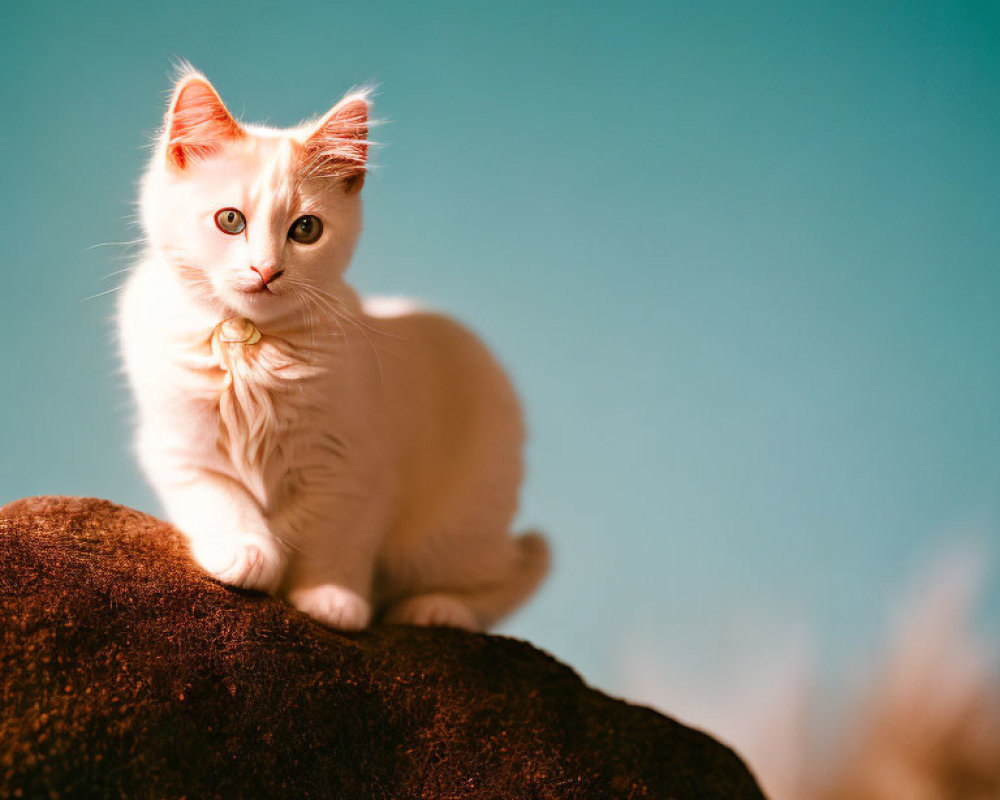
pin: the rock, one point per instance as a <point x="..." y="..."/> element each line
<point x="127" y="672"/>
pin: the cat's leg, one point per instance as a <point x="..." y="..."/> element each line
<point x="225" y="527"/>
<point x="331" y="578"/>
<point x="333" y="604"/>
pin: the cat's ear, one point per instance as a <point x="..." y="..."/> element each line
<point x="337" y="147"/>
<point x="198" y="123"/>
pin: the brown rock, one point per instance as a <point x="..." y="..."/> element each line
<point x="128" y="672"/>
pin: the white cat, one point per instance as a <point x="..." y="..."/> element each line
<point x="352" y="458"/>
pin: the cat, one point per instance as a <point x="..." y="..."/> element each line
<point x="360" y="459"/>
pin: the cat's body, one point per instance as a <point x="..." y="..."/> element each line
<point x="350" y="457"/>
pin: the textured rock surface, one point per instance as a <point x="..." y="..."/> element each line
<point x="127" y="672"/>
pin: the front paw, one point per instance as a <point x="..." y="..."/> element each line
<point x="250" y="562"/>
<point x="333" y="605"/>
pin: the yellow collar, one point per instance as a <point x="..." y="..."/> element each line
<point x="237" y="330"/>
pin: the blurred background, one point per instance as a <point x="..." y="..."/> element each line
<point x="740" y="258"/>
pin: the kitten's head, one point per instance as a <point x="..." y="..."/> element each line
<point x="255" y="221"/>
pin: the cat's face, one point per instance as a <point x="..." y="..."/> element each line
<point x="253" y="221"/>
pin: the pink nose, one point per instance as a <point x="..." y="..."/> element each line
<point x="268" y="274"/>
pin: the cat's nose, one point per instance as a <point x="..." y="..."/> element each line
<point x="268" y="274"/>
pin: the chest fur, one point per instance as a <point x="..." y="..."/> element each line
<point x="269" y="404"/>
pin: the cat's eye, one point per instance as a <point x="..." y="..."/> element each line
<point x="306" y="229"/>
<point x="231" y="221"/>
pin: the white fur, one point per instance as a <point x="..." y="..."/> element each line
<point x="349" y="461"/>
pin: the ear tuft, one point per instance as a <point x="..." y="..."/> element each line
<point x="198" y="123"/>
<point x="338" y="146"/>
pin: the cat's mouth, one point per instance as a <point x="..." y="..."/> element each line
<point x="255" y="289"/>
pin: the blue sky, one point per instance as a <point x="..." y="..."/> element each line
<point x="741" y="260"/>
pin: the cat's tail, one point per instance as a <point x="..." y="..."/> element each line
<point x="528" y="569"/>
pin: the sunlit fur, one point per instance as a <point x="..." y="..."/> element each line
<point x="358" y="459"/>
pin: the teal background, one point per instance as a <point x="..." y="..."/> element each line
<point x="741" y="259"/>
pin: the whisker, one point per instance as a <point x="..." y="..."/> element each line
<point x="131" y="243"/>
<point x="340" y="303"/>
<point x="307" y="318"/>
<point x="318" y="296"/>
<point x="116" y="272"/>
<point x="101" y="294"/>
<point x="323" y="305"/>
<point x="336" y="319"/>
